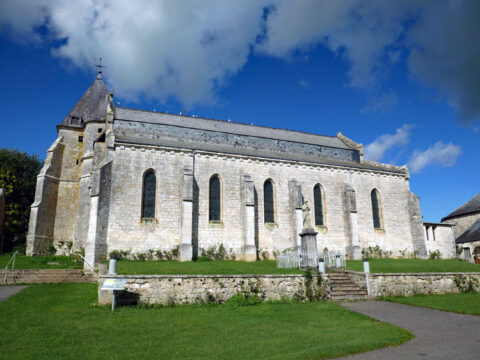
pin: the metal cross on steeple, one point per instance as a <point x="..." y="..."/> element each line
<point x="99" y="66"/>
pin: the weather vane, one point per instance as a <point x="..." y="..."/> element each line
<point x="99" y="66"/>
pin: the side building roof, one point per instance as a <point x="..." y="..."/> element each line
<point x="470" y="235"/>
<point x="470" y="207"/>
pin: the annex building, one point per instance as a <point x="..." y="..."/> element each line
<point x="127" y="179"/>
<point x="466" y="226"/>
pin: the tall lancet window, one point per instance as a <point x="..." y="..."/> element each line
<point x="148" y="195"/>
<point x="318" y="203"/>
<point x="215" y="199"/>
<point x="376" y="211"/>
<point x="268" y="202"/>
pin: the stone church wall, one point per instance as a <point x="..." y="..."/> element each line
<point x="440" y="238"/>
<point x="68" y="187"/>
<point x="128" y="232"/>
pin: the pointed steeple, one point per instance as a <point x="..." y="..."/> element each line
<point x="92" y="106"/>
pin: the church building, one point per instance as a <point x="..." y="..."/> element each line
<point x="134" y="180"/>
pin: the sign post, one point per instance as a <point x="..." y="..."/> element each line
<point x="114" y="284"/>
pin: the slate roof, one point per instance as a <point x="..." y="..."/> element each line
<point x="228" y="127"/>
<point x="472" y="234"/>
<point x="470" y="207"/>
<point x="91" y="106"/>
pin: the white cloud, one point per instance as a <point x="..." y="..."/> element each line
<point x="183" y="49"/>
<point x="439" y="154"/>
<point x="187" y="49"/>
<point x="376" y="150"/>
<point x="381" y="103"/>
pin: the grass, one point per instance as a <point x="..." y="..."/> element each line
<point x="58" y="321"/>
<point x="226" y="267"/>
<point x="414" y="265"/>
<point x="217" y="267"/>
<point x="40" y="262"/>
<point x="464" y="303"/>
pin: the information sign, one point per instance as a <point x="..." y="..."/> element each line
<point x="114" y="284"/>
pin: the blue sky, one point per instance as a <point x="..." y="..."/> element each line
<point x="401" y="78"/>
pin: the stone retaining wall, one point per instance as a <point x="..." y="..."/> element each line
<point x="191" y="289"/>
<point x="406" y="284"/>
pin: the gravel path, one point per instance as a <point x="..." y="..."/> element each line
<point x="439" y="334"/>
<point x="8" y="290"/>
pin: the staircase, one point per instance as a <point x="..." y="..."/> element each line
<point x="39" y="276"/>
<point x="344" y="289"/>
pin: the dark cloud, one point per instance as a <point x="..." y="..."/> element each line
<point x="445" y="53"/>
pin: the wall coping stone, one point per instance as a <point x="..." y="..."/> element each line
<point x="412" y="274"/>
<point x="186" y="276"/>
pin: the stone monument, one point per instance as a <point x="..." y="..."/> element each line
<point x="309" y="253"/>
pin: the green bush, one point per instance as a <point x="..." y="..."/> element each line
<point x="467" y="284"/>
<point x="244" y="300"/>
<point x="217" y="253"/>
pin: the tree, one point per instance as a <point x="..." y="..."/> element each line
<point x="18" y="177"/>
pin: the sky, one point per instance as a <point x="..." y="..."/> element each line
<point x="401" y="77"/>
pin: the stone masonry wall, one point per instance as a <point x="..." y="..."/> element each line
<point x="440" y="238"/>
<point x="407" y="284"/>
<point x="192" y="289"/>
<point x="68" y="187"/>
<point x="128" y="232"/>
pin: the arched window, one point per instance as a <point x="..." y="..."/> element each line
<point x="377" y="219"/>
<point x="268" y="203"/>
<point x="148" y="195"/>
<point x="215" y="199"/>
<point x="318" y="204"/>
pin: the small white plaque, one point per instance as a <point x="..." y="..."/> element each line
<point x="114" y="284"/>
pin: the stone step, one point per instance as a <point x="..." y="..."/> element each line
<point x="350" y="293"/>
<point x="347" y="288"/>
<point x="345" y="281"/>
<point x="340" y="280"/>
<point x="36" y="276"/>
<point x="344" y="289"/>
<point x="349" y="298"/>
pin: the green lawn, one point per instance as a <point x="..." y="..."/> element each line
<point x="40" y="262"/>
<point x="468" y="303"/>
<point x="58" y="321"/>
<point x="217" y="267"/>
<point x="414" y="265"/>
